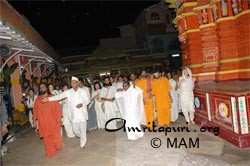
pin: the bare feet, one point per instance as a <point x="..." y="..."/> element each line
<point x="82" y="148"/>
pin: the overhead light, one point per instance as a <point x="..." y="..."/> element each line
<point x="22" y="49"/>
<point x="5" y="37"/>
<point x="66" y="70"/>
<point x="104" y="74"/>
<point x="175" y="55"/>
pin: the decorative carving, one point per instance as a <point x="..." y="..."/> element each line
<point x="235" y="7"/>
<point x="224" y="7"/>
<point x="197" y="102"/>
<point x="204" y="16"/>
<point x="240" y="5"/>
<point x="234" y="111"/>
<point x="199" y="19"/>
<point x="215" y="12"/>
<point x="243" y="115"/>
<point x="223" y="110"/>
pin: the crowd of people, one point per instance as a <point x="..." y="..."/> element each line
<point x="139" y="99"/>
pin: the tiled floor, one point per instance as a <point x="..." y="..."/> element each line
<point x="105" y="148"/>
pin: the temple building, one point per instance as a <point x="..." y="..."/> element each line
<point x="215" y="45"/>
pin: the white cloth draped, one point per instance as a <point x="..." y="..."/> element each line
<point x="110" y="107"/>
<point x="132" y="110"/>
<point x="174" y="107"/>
<point x="66" y="121"/>
<point x="98" y="108"/>
<point x="119" y="85"/>
<point x="186" y="92"/>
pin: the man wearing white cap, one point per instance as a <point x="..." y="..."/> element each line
<point x="78" y="99"/>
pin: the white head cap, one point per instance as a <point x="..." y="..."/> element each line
<point x="74" y="78"/>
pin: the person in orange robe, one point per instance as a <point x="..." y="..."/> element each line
<point x="144" y="83"/>
<point x="161" y="89"/>
<point x="49" y="117"/>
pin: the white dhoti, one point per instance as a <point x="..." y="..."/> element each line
<point x="68" y="127"/>
<point x="80" y="131"/>
<point x="66" y="121"/>
<point x="31" y="119"/>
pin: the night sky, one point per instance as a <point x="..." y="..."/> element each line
<point x="79" y="25"/>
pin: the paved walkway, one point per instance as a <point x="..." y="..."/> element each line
<point x="105" y="148"/>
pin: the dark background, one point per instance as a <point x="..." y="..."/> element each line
<point x="77" y="26"/>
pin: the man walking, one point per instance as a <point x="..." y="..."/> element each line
<point x="78" y="99"/>
<point x="49" y="117"/>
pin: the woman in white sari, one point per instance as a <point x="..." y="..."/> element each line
<point x="186" y="86"/>
<point x="98" y="106"/>
<point x="174" y="96"/>
<point x="132" y="109"/>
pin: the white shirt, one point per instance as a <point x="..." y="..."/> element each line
<point x="30" y="102"/>
<point x="55" y="92"/>
<point x="108" y="92"/>
<point x="119" y="85"/>
<point x="80" y="96"/>
<point x="131" y="104"/>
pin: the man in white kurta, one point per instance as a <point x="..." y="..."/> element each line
<point x="107" y="96"/>
<point x="78" y="99"/>
<point x="132" y="110"/>
<point x="81" y="85"/>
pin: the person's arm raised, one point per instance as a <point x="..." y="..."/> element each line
<point x="55" y="98"/>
